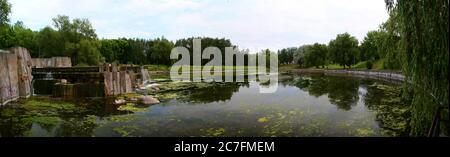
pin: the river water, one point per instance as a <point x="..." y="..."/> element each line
<point x="303" y="106"/>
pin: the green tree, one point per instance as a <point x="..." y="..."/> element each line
<point x="107" y="49"/>
<point x="206" y="42"/>
<point x="299" y="55"/>
<point x="286" y="56"/>
<point x="27" y="38"/>
<point x="7" y="37"/>
<point x="389" y="43"/>
<point x="383" y="43"/>
<point x="159" y="51"/>
<point x="75" y="39"/>
<point x="369" y="46"/>
<point x="344" y="50"/>
<point x="49" y="42"/>
<point x="88" y="52"/>
<point x="6" y="32"/>
<point x="5" y="10"/>
<point x="316" y="55"/>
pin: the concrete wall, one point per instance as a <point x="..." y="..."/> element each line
<point x="9" y="86"/>
<point x="117" y="82"/>
<point x="384" y="75"/>
<point x="60" y="62"/>
<point x="372" y="74"/>
<point x="23" y="71"/>
<point x="15" y="74"/>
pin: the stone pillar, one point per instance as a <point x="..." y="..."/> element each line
<point x="145" y="75"/>
<point x="128" y="84"/>
<point x="122" y="81"/>
<point x="116" y="79"/>
<point x="125" y="82"/>
<point x="109" y="87"/>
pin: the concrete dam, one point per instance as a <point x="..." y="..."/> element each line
<point x="21" y="77"/>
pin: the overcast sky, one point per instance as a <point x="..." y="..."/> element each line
<point x="252" y="24"/>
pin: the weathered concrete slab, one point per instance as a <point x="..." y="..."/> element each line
<point x="145" y="74"/>
<point x="24" y="64"/>
<point x="62" y="62"/>
<point x="9" y="84"/>
<point x="125" y="82"/>
<point x="52" y="62"/>
<point x="109" y="87"/>
<point x="115" y="80"/>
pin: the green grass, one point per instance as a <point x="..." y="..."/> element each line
<point x="360" y="65"/>
<point x="288" y="67"/>
<point x="377" y="65"/>
<point x="157" y="67"/>
<point x="334" y="66"/>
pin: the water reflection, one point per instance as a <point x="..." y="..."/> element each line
<point x="217" y="93"/>
<point x="342" y="92"/>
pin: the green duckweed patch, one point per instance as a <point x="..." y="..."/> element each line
<point x="47" y="121"/>
<point x="49" y="106"/>
<point x="365" y="132"/>
<point x="263" y="119"/>
<point x="130" y="107"/>
<point x="214" y="132"/>
<point x="125" y="131"/>
<point x="121" y="119"/>
<point x="129" y="96"/>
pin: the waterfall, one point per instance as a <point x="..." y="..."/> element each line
<point x="32" y="87"/>
<point x="48" y="76"/>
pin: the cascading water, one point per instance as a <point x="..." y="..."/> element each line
<point x="48" y="76"/>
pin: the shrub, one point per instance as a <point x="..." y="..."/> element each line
<point x="369" y="65"/>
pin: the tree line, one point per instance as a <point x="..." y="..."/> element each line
<point x="77" y="39"/>
<point x="345" y="50"/>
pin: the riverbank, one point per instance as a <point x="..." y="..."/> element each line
<point x="379" y="74"/>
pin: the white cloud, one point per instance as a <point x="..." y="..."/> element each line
<point x="254" y="24"/>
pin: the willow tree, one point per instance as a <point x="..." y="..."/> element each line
<point x="424" y="32"/>
<point x="5" y="10"/>
<point x="344" y="50"/>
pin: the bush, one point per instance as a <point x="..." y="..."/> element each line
<point x="369" y="65"/>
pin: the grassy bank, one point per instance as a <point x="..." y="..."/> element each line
<point x="376" y="65"/>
